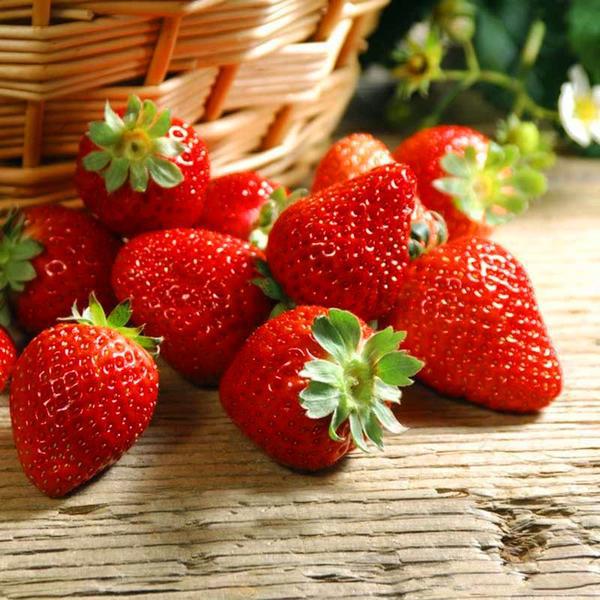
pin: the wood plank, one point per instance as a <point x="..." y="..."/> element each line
<point x="466" y="504"/>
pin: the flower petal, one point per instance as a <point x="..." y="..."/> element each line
<point x="580" y="80"/>
<point x="577" y="131"/>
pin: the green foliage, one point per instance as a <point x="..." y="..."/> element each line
<point x="583" y="32"/>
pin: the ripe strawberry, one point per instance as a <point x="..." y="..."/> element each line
<point x="81" y="394"/>
<point x="8" y="357"/>
<point x="350" y="157"/>
<point x="471" y="181"/>
<point x="349" y="245"/>
<point x="309" y="377"/>
<point x="164" y="160"/>
<point x="233" y="203"/>
<point x="193" y="287"/>
<point x="471" y="315"/>
<point x="53" y="256"/>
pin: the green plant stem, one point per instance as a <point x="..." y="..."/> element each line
<point x="516" y="86"/>
<point x="471" y="56"/>
<point x="445" y="102"/>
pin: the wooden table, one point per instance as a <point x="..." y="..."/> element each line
<point x="467" y="504"/>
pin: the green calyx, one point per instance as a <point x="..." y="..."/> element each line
<point x="357" y="379"/>
<point x="134" y="147"/>
<point x="17" y="249"/>
<point x="271" y="289"/>
<point x="426" y="232"/>
<point x="119" y="317"/>
<point x="492" y="192"/>
<point x="278" y="201"/>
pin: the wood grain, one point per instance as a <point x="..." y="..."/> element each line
<point x="466" y="504"/>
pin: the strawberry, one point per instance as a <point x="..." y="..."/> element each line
<point x="81" y="394"/>
<point x="53" y="256"/>
<point x="311" y="383"/>
<point x="193" y="287"/>
<point x="474" y="183"/>
<point x="350" y="157"/>
<point x="140" y="169"/>
<point x="8" y="357"/>
<point x="471" y="315"/>
<point x="349" y="245"/>
<point x="233" y="203"/>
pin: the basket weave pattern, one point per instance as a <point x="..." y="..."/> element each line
<point x="264" y="81"/>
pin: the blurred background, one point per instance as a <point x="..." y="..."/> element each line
<point x="533" y="42"/>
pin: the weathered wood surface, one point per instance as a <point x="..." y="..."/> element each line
<point x="466" y="504"/>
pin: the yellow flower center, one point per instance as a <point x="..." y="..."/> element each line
<point x="586" y="109"/>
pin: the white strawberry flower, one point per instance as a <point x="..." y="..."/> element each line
<point x="579" y="107"/>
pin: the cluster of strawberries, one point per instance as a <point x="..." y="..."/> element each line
<point x="277" y="296"/>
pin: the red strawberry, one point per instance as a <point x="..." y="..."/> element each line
<point x="193" y="287"/>
<point x="8" y="357"/>
<point x="472" y="182"/>
<point x="349" y="245"/>
<point x="54" y="256"/>
<point x="350" y="157"/>
<point x="81" y="394"/>
<point x="233" y="203"/>
<point x="164" y="160"/>
<point x="311" y="383"/>
<point x="471" y="315"/>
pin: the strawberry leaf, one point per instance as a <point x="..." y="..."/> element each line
<point x="164" y="173"/>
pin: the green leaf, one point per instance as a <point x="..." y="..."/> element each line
<point x="396" y="368"/>
<point x="5" y="316"/>
<point x="347" y="326"/>
<point x="98" y="316"/>
<point x="319" y="399"/>
<point x="150" y="344"/>
<point x="383" y="342"/>
<point x="164" y="173"/>
<point x="373" y="430"/>
<point x="262" y="267"/>
<point x="134" y="105"/>
<point x="19" y="271"/>
<point x="338" y="333"/>
<point x="455" y="165"/>
<point x="387" y="418"/>
<point x="102" y="135"/>
<point x="386" y="392"/>
<point x="356" y="431"/>
<point x="453" y="186"/>
<point x="340" y="415"/>
<point x="27" y="248"/>
<point x="584" y="34"/>
<point x="139" y="176"/>
<point x="269" y="287"/>
<point x="96" y="160"/>
<point x="148" y="115"/>
<point x="167" y="147"/>
<point x="116" y="174"/>
<point x="111" y="118"/>
<point x="161" y="125"/>
<point x="324" y="371"/>
<point x="120" y="315"/>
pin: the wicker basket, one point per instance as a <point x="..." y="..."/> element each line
<point x="265" y="81"/>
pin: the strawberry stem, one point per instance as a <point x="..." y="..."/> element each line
<point x="357" y="379"/>
<point x="17" y="249"/>
<point x="95" y="315"/>
<point x="136" y="147"/>
<point x="278" y="201"/>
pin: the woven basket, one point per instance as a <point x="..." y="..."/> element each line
<point x="265" y="81"/>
